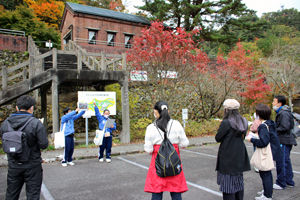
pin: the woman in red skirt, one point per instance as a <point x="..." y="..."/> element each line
<point x="153" y="139"/>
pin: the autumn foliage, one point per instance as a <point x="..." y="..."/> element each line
<point x="48" y="11"/>
<point x="165" y="48"/>
<point x="241" y="68"/>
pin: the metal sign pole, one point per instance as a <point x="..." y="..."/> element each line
<point x="87" y="130"/>
<point x="184" y="116"/>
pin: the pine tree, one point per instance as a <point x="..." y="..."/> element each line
<point x="209" y="15"/>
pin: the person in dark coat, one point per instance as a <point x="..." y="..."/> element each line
<point x="30" y="172"/>
<point x="233" y="157"/>
<point x="284" y="123"/>
<point x="267" y="134"/>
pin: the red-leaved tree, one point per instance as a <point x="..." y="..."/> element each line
<point x="236" y="76"/>
<point x="169" y="57"/>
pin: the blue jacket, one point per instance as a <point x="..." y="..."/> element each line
<point x="267" y="137"/>
<point x="69" y="119"/>
<point x="102" y="120"/>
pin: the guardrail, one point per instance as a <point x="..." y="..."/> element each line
<point x="12" y="32"/>
<point x="101" y="42"/>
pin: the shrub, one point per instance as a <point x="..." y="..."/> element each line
<point x="138" y="128"/>
<point x="206" y="127"/>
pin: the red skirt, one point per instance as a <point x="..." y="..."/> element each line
<point x="156" y="184"/>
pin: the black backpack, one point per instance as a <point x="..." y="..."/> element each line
<point x="15" y="143"/>
<point x="167" y="162"/>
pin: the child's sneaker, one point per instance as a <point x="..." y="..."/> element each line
<point x="71" y="163"/>
<point x="108" y="160"/>
<point x="101" y="160"/>
<point x="64" y="164"/>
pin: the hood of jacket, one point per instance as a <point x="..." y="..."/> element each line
<point x="285" y="108"/>
<point x="19" y="119"/>
<point x="271" y="124"/>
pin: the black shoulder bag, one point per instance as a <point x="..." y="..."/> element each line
<point x="167" y="162"/>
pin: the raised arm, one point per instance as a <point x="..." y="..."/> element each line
<point x="68" y="116"/>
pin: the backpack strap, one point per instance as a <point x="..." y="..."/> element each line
<point x="10" y="129"/>
<point x="165" y="133"/>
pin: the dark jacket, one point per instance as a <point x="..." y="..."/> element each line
<point x="232" y="155"/>
<point x="36" y="138"/>
<point x="268" y="136"/>
<point x="283" y="126"/>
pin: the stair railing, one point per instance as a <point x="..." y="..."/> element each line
<point x="89" y="59"/>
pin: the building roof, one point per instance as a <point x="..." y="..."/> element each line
<point x="78" y="8"/>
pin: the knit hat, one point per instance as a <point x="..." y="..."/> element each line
<point x="231" y="104"/>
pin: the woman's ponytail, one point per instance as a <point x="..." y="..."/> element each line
<point x="164" y="118"/>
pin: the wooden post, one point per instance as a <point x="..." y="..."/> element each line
<point x="79" y="60"/>
<point x="44" y="105"/>
<point x="4" y="77"/>
<point x="103" y="67"/>
<point x="54" y="58"/>
<point x="31" y="63"/>
<point x="24" y="74"/>
<point x="114" y="65"/>
<point x="125" y="134"/>
<point x="94" y="63"/>
<point x="124" y="61"/>
<point x="55" y="104"/>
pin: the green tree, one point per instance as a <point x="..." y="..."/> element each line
<point x="23" y="19"/>
<point x="209" y="15"/>
<point x="11" y="4"/>
<point x="287" y="17"/>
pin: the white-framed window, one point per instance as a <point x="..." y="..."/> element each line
<point x="92" y="36"/>
<point x="128" y="41"/>
<point x="111" y="37"/>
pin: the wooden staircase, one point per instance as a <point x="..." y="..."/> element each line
<point x="54" y="67"/>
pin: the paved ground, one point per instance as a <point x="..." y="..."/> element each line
<point x="124" y="178"/>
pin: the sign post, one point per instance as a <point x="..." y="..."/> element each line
<point x="184" y="116"/>
<point x="87" y="130"/>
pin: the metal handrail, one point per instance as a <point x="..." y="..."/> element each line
<point x="12" y="32"/>
<point x="101" y="42"/>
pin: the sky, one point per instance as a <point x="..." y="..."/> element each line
<point x="260" y="6"/>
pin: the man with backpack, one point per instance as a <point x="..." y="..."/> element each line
<point x="284" y="123"/>
<point x="24" y="167"/>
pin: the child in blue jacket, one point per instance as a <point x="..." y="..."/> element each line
<point x="107" y="141"/>
<point x="68" y="120"/>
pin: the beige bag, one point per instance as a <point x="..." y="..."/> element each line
<point x="262" y="158"/>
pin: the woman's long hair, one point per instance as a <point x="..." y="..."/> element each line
<point x="236" y="119"/>
<point x="164" y="118"/>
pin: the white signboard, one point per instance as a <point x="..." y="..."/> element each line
<point x="49" y="44"/>
<point x="169" y="74"/>
<point x="103" y="100"/>
<point x="184" y="114"/>
<point x="138" y="75"/>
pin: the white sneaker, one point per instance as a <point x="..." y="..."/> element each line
<point x="262" y="197"/>
<point x="277" y="187"/>
<point x="108" y="160"/>
<point x="71" y="163"/>
<point x="290" y="186"/>
<point x="101" y="160"/>
<point x="260" y="193"/>
<point x="64" y="164"/>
